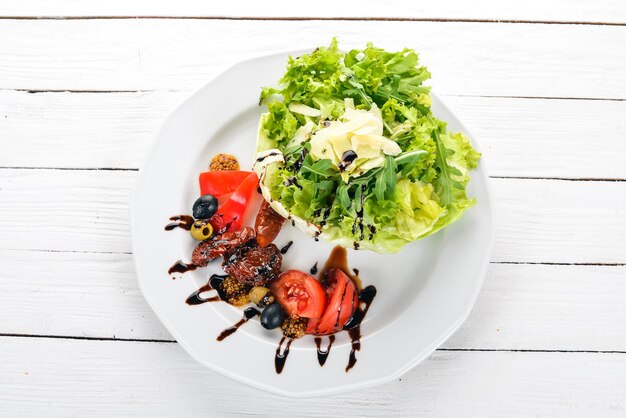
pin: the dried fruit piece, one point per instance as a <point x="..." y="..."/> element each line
<point x="253" y="264"/>
<point x="212" y="249"/>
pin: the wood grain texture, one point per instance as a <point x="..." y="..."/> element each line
<point x="521" y="307"/>
<point x="519" y="137"/>
<point x="465" y="58"/>
<point x="81" y="130"/>
<point x="536" y="220"/>
<point x="60" y="378"/>
<point x="547" y="307"/>
<point x="64" y="242"/>
<point x="74" y="294"/>
<point x="559" y="10"/>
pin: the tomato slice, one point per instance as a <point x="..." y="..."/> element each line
<point x="343" y="299"/>
<point x="219" y="183"/>
<point x="300" y="294"/>
<point x="229" y="216"/>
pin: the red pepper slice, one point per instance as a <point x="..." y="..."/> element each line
<point x="218" y="183"/>
<point x="230" y="216"/>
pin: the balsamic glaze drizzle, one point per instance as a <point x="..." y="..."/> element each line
<point x="271" y="154"/>
<point x="358" y="224"/>
<point x="248" y="314"/>
<point x="297" y="165"/>
<point x="366" y="297"/>
<point x="286" y="247"/>
<point x="280" y="359"/>
<point x="181" y="267"/>
<point x="346" y="159"/>
<point x="292" y="181"/>
<point x="213" y="283"/>
<point x="337" y="259"/>
<point x="180" y="221"/>
<point x="322" y="355"/>
<point x="372" y="229"/>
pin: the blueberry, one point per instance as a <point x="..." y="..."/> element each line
<point x="205" y="207"/>
<point x="272" y="316"/>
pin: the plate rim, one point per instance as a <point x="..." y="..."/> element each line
<point x="350" y="387"/>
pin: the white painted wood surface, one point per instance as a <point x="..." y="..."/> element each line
<point x="480" y="59"/>
<point x="521" y="306"/>
<point x="90" y="210"/>
<point x="157" y="379"/>
<point x="599" y="11"/>
<point x="115" y="130"/>
<point x="81" y="100"/>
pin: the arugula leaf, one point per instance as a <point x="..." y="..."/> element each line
<point x="444" y="181"/>
<point x="410" y="157"/>
<point x="343" y="196"/>
<point x="358" y="193"/>
<point x="386" y="180"/>
<point x="323" y="168"/>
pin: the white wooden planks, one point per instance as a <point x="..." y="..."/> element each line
<point x="537" y="220"/>
<point x="74" y="294"/>
<point x="104" y="378"/>
<point x="521" y="307"/>
<point x="519" y="137"/>
<point x="548" y="307"/>
<point x="466" y="58"/>
<point x="611" y="11"/>
<point x="70" y="274"/>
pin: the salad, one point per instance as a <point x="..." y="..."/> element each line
<point x="294" y="301"/>
<point x="350" y="151"/>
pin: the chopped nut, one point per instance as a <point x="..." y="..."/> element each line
<point x="236" y="292"/>
<point x="224" y="162"/>
<point x="294" y="327"/>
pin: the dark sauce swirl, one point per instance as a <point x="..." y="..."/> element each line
<point x="213" y="284"/>
<point x="248" y="314"/>
<point x="322" y="355"/>
<point x="180" y="267"/>
<point x="180" y="221"/>
<point x="286" y="247"/>
<point x="366" y="297"/>
<point x="281" y="358"/>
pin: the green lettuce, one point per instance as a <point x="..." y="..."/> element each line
<point x="412" y="195"/>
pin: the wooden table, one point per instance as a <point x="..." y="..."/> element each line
<point x="84" y="87"/>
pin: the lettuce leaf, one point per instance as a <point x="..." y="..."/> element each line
<point x="413" y="195"/>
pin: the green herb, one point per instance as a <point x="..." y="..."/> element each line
<point x="446" y="183"/>
<point x="323" y="168"/>
<point x="413" y="194"/>
<point x="386" y="180"/>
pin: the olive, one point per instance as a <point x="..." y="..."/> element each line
<point x="204" y="207"/>
<point x="261" y="296"/>
<point x="201" y="230"/>
<point x="272" y="316"/>
<point x="257" y="293"/>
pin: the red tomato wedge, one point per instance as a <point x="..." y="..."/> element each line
<point x="229" y="216"/>
<point x="219" y="183"/>
<point x="343" y="299"/>
<point x="300" y="294"/>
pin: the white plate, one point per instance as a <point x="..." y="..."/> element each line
<point x="424" y="292"/>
